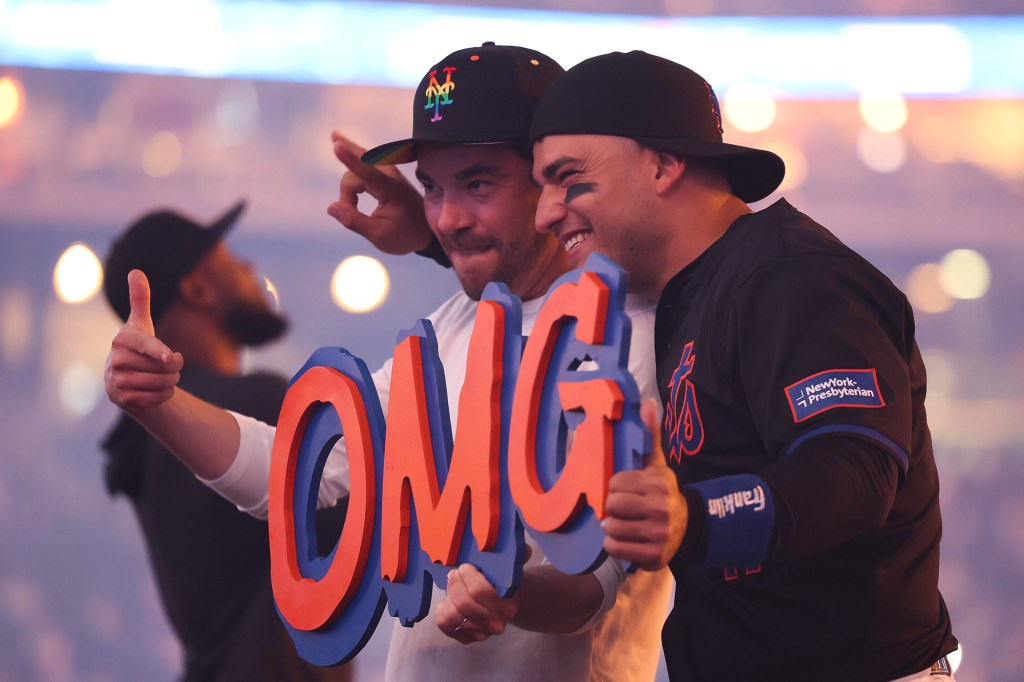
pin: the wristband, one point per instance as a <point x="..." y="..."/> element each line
<point x="435" y="252"/>
<point x="740" y="519"/>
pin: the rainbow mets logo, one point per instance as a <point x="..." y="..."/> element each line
<point x="439" y="94"/>
<point x="682" y="416"/>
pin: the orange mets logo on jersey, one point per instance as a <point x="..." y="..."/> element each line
<point x="682" y="416"/>
<point x="439" y="94"/>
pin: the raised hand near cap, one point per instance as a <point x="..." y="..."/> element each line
<point x="398" y="224"/>
<point x="647" y="514"/>
<point x="141" y="371"/>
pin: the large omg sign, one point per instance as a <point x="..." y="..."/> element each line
<point x="422" y="502"/>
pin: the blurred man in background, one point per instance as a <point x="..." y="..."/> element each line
<point x="212" y="564"/>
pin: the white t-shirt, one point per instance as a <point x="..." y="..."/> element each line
<point x="623" y="639"/>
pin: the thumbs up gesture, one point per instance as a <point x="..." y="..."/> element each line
<point x="647" y="514"/>
<point x="141" y="371"/>
<point x="398" y="224"/>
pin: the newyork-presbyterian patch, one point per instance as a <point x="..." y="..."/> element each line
<point x="833" y="388"/>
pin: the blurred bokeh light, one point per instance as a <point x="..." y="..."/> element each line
<point x="360" y="284"/>
<point x="883" y="111"/>
<point x="12" y="101"/>
<point x="749" y="107"/>
<point x="78" y="274"/>
<point x="964" y="274"/>
<point x="161" y="155"/>
<point x="925" y="291"/>
<point x="881" y="152"/>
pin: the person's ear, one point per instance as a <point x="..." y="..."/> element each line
<point x="669" y="171"/>
<point x="195" y="291"/>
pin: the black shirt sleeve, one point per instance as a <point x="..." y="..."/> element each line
<point x="807" y="320"/>
<point x="831" y="490"/>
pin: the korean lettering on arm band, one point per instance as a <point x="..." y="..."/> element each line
<point x="740" y="519"/>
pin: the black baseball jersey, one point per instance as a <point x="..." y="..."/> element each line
<point x="795" y="422"/>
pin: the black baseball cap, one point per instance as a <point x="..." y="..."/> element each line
<point x="478" y="95"/>
<point x="660" y="104"/>
<point x="166" y="246"/>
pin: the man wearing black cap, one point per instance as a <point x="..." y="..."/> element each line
<point x="799" y="506"/>
<point x="471" y="116"/>
<point x="211" y="563"/>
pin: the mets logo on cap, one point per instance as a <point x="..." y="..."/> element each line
<point x="439" y="94"/>
<point x="715" y="108"/>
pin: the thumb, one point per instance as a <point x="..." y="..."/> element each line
<point x="138" y="297"/>
<point x="649" y="415"/>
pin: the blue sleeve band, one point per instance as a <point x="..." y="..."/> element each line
<point x="740" y="519"/>
<point x="897" y="452"/>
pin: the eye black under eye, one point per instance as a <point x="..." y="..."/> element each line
<point x="577" y="190"/>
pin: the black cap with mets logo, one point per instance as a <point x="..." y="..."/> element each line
<point x="479" y="95"/>
<point x="662" y="105"/>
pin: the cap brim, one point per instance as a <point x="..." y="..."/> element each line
<point x="400" y="151"/>
<point x="753" y="173"/>
<point x="219" y="227"/>
<point x="404" y="151"/>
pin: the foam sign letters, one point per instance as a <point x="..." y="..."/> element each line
<point x="422" y="502"/>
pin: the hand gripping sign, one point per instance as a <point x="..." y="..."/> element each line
<point x="422" y="502"/>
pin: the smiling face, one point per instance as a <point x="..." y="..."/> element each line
<point x="480" y="202"/>
<point x="597" y="194"/>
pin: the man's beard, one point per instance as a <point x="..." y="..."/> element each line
<point x="252" y="325"/>
<point x="515" y="264"/>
